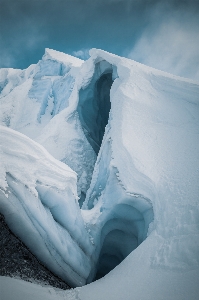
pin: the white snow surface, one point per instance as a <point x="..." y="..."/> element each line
<point x="141" y="210"/>
<point x="17" y="289"/>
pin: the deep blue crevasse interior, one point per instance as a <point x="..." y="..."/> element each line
<point x="94" y="105"/>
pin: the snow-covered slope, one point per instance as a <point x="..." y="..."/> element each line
<point x="138" y="128"/>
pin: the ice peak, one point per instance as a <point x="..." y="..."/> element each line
<point x="62" y="57"/>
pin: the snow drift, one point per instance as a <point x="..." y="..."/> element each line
<point x="131" y="134"/>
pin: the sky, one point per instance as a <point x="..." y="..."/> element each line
<point x="160" y="33"/>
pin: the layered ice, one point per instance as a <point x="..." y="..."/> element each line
<point x="39" y="202"/>
<point x="131" y="134"/>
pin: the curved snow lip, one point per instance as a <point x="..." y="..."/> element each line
<point x="34" y="162"/>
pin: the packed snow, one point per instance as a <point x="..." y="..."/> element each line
<point x="131" y="210"/>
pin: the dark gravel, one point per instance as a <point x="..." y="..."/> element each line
<point x="17" y="261"/>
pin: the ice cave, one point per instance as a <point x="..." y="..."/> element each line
<point x="124" y="231"/>
<point x="100" y="185"/>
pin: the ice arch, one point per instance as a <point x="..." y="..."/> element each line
<point x="122" y="234"/>
<point x="94" y="104"/>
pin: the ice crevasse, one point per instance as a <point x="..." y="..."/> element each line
<point x="104" y="172"/>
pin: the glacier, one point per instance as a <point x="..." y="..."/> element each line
<point x="99" y="174"/>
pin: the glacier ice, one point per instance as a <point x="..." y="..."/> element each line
<point x="130" y="133"/>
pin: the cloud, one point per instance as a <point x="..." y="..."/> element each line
<point x="16" y="49"/>
<point x="83" y="54"/>
<point x="172" y="45"/>
<point x="28" y="27"/>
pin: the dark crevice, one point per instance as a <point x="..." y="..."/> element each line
<point x="94" y="106"/>
<point x="82" y="198"/>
